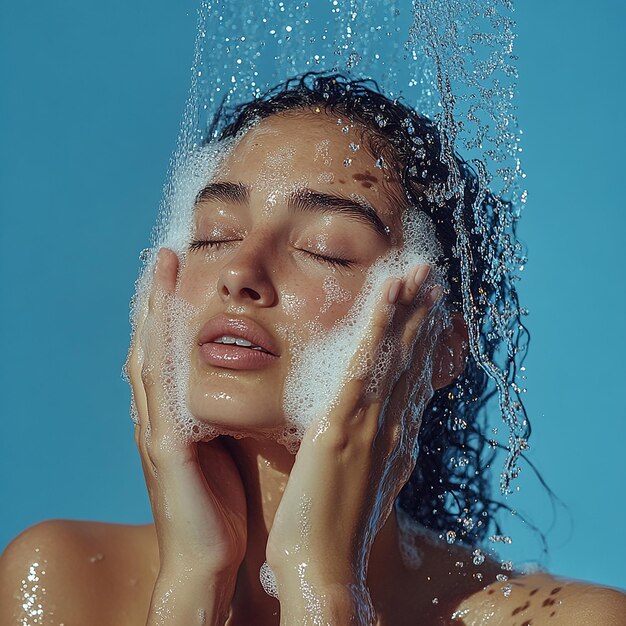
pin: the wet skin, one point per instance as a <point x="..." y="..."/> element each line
<point x="273" y="263"/>
<point x="103" y="575"/>
<point x="228" y="271"/>
<point x="278" y="291"/>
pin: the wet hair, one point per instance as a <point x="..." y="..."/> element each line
<point x="450" y="489"/>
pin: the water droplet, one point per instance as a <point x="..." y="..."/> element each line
<point x="380" y="120"/>
<point x="478" y="558"/>
<point x="353" y="60"/>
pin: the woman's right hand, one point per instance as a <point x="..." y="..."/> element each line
<point x="199" y="509"/>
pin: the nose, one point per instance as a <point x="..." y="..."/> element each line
<point x="246" y="280"/>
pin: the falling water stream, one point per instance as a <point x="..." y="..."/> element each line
<point x="451" y="60"/>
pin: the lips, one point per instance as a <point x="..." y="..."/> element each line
<point x="216" y="347"/>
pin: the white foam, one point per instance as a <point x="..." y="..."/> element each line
<point x="268" y="580"/>
<point x="175" y="333"/>
<point x="334" y="293"/>
<point x="320" y="367"/>
<point x="174" y="225"/>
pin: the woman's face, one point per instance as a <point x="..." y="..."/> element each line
<point x="283" y="237"/>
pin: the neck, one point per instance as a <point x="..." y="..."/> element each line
<point x="265" y="466"/>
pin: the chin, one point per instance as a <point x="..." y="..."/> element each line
<point x="233" y="415"/>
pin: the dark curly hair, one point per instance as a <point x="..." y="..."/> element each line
<point x="450" y="488"/>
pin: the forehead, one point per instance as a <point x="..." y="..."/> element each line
<point x="314" y="149"/>
<point x="306" y="129"/>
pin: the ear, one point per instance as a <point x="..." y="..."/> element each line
<point x="450" y="353"/>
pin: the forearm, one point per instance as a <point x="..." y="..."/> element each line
<point x="305" y="601"/>
<point x="190" y="600"/>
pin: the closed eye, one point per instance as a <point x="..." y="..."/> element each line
<point x="199" y="244"/>
<point x="332" y="261"/>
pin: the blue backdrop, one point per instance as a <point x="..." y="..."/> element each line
<point x="91" y="97"/>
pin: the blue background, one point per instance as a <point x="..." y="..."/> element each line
<point x="91" y="97"/>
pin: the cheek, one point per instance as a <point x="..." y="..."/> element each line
<point x="338" y="298"/>
<point x="300" y="302"/>
<point x="197" y="280"/>
<point x="320" y="306"/>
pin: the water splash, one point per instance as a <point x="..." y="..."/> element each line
<point x="452" y="60"/>
<point x="469" y="50"/>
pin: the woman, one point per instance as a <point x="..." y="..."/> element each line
<point x="310" y="191"/>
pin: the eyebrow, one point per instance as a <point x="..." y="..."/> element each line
<point x="301" y="200"/>
<point x="235" y="193"/>
<point x="309" y="200"/>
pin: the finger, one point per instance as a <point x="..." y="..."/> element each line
<point x="417" y="317"/>
<point x="135" y="359"/>
<point x="156" y="327"/>
<point x="353" y="409"/>
<point x="399" y="428"/>
<point x="161" y="280"/>
<point x="166" y="271"/>
<point x="139" y="403"/>
<point x="415" y="385"/>
<point x="132" y="370"/>
<point x="163" y="286"/>
<point x="391" y="323"/>
<point x="156" y="344"/>
<point x="413" y="284"/>
<point x="378" y="328"/>
<point x="392" y="353"/>
<point x="347" y="415"/>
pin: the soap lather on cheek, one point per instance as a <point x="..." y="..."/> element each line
<point x="334" y="293"/>
<point x="319" y="369"/>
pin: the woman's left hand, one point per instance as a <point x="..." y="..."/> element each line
<point x="351" y="466"/>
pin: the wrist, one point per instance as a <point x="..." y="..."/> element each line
<point x="190" y="597"/>
<point x="309" y="602"/>
<point x="331" y="573"/>
<point x="310" y="594"/>
<point x="197" y="578"/>
<point x="181" y="565"/>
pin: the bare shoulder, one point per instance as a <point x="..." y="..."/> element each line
<point x="62" y="571"/>
<point x="540" y="598"/>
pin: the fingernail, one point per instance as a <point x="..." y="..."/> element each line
<point x="421" y="274"/>
<point x="158" y="260"/>
<point x="394" y="291"/>
<point x="161" y="259"/>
